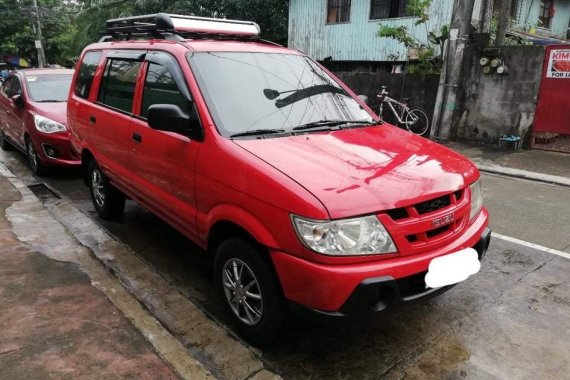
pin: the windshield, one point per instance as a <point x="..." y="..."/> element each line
<point x="48" y="87"/>
<point x="254" y="92"/>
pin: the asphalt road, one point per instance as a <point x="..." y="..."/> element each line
<point x="508" y="321"/>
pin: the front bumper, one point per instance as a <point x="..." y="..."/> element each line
<point x="349" y="289"/>
<point x="55" y="149"/>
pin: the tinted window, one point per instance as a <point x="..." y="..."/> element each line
<point x="48" y="88"/>
<point x="388" y="8"/>
<point x="118" y="85"/>
<point x="160" y="88"/>
<point x="86" y="73"/>
<point x="12" y="87"/>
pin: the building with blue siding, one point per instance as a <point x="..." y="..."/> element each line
<point x="346" y="30"/>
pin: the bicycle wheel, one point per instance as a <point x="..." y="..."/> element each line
<point x="417" y="121"/>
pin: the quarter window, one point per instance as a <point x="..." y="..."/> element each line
<point x="388" y="9"/>
<point x="118" y="84"/>
<point x="338" y="11"/>
<point x="160" y="88"/>
<point x="86" y="74"/>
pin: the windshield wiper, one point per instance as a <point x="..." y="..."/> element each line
<point x="332" y="123"/>
<point x="255" y="132"/>
<point x="302" y="93"/>
<point x="50" y="101"/>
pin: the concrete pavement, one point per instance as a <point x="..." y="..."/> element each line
<point x="64" y="316"/>
<point x="535" y="165"/>
<point x="509" y="321"/>
<point x="56" y="324"/>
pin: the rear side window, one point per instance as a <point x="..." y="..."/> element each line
<point x="118" y="85"/>
<point x="160" y="88"/>
<point x="86" y="74"/>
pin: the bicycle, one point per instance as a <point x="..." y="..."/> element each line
<point x="415" y="120"/>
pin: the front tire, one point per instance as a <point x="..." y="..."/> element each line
<point x="35" y="165"/>
<point x="109" y="202"/>
<point x="4" y="144"/>
<point x="417" y="121"/>
<point x="249" y="291"/>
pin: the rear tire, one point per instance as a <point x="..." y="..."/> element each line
<point x="417" y="121"/>
<point x="4" y="144"/>
<point x="109" y="202"/>
<point x="249" y="291"/>
<point x="38" y="169"/>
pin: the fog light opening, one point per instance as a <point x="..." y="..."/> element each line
<point x="50" y="151"/>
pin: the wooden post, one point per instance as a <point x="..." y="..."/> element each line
<point x="504" y="15"/>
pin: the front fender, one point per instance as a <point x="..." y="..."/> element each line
<point x="241" y="218"/>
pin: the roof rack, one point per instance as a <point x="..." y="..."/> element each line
<point x="169" y="26"/>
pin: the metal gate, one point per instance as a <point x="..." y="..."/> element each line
<point x="551" y="129"/>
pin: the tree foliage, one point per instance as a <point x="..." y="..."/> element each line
<point x="70" y="25"/>
<point x="428" y="61"/>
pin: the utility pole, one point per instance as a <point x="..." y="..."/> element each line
<point x="453" y="63"/>
<point x="504" y="13"/>
<point x="38" y="28"/>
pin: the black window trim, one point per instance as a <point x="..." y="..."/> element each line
<point x="164" y="58"/>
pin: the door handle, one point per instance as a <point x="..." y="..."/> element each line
<point x="92" y="119"/>
<point x="137" y="137"/>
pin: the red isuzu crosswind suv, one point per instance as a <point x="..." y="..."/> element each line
<point x="264" y="158"/>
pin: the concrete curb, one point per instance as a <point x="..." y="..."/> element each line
<point x="524" y="174"/>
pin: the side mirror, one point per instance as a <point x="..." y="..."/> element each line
<point x="170" y="118"/>
<point x="18" y="101"/>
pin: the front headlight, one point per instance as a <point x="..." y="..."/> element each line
<point x="346" y="237"/>
<point x="45" y="125"/>
<point x="476" y="198"/>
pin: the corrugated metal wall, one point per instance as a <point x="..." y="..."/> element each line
<point x="356" y="40"/>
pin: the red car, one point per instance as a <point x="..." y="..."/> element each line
<point x="33" y="117"/>
<point x="265" y="159"/>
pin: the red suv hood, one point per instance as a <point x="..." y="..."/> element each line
<point x="56" y="111"/>
<point x="365" y="170"/>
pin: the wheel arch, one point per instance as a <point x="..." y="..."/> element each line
<point x="224" y="229"/>
<point x="237" y="220"/>
<point x="86" y="157"/>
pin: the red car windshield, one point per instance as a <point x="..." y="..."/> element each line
<point x="271" y="92"/>
<point x="48" y="88"/>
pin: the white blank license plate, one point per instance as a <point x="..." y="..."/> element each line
<point x="452" y="268"/>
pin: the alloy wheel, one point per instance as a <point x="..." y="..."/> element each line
<point x="98" y="188"/>
<point x="242" y="292"/>
<point x="32" y="157"/>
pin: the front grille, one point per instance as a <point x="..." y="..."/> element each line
<point x="437" y="231"/>
<point x="408" y="219"/>
<point x="398" y="213"/>
<point x="433" y="205"/>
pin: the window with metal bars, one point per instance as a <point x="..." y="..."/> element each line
<point x="338" y="11"/>
<point x="380" y="9"/>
